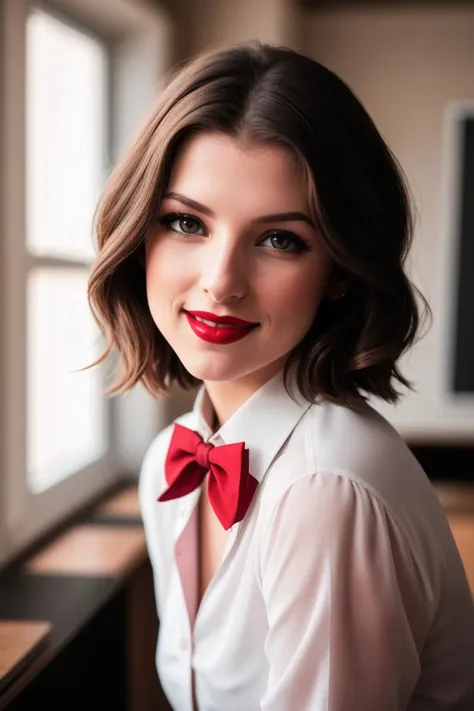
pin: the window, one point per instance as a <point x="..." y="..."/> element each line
<point x="66" y="113"/>
<point x="76" y="81"/>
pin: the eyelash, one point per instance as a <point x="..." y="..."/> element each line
<point x="300" y="244"/>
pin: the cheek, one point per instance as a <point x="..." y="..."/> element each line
<point x="162" y="272"/>
<point x="159" y="288"/>
<point x="296" y="298"/>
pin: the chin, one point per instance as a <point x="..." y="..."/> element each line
<point x="213" y="374"/>
<point x="211" y="370"/>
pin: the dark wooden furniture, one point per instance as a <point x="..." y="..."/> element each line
<point x="93" y="585"/>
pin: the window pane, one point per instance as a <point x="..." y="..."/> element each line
<point x="67" y="425"/>
<point x="66" y="84"/>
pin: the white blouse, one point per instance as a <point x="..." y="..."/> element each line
<point x="341" y="589"/>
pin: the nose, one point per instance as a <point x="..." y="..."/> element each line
<point x="224" y="273"/>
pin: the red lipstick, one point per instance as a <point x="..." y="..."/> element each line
<point x="226" y="320"/>
<point x="228" y="330"/>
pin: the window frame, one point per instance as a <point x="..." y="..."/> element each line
<point x="138" y="39"/>
<point x="50" y="261"/>
<point x="456" y="113"/>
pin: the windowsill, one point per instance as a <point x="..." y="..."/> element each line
<point x="68" y="580"/>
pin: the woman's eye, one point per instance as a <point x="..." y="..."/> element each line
<point x="183" y="224"/>
<point x="281" y="239"/>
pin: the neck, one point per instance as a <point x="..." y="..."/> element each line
<point x="228" y="396"/>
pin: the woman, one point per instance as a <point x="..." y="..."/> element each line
<point x="252" y="242"/>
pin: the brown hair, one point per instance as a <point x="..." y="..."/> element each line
<point x="359" y="199"/>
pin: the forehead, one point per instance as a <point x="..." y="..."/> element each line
<point x="214" y="166"/>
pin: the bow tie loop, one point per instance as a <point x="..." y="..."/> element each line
<point x="202" y="453"/>
<point x="230" y="485"/>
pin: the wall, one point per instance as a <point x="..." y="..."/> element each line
<point x="203" y="24"/>
<point x="407" y="65"/>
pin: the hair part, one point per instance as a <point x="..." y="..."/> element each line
<point x="358" y="195"/>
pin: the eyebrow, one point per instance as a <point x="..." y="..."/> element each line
<point x="294" y="216"/>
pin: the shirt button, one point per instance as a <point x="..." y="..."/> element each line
<point x="183" y="644"/>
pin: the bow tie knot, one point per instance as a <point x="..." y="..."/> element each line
<point x="230" y="485"/>
<point x="202" y="453"/>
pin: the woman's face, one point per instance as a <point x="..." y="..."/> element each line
<point x="234" y="237"/>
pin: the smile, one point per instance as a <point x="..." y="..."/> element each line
<point x="216" y="325"/>
<point x="218" y="333"/>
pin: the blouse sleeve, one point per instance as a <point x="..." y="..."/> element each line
<point x="345" y="604"/>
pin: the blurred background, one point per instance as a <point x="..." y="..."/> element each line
<point x="77" y="79"/>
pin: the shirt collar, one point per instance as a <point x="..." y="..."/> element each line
<point x="263" y="422"/>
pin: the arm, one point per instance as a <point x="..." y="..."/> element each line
<point x="344" y="602"/>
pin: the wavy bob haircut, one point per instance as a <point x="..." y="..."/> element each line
<point x="359" y="200"/>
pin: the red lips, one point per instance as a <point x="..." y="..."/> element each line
<point x="235" y="331"/>
<point x="231" y="320"/>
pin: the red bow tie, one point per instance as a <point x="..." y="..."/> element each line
<point x="230" y="485"/>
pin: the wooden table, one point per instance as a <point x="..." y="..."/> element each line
<point x="93" y="586"/>
<point x="458" y="502"/>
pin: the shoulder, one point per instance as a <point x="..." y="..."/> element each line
<point x="351" y="437"/>
<point x="334" y="448"/>
<point x="363" y="446"/>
